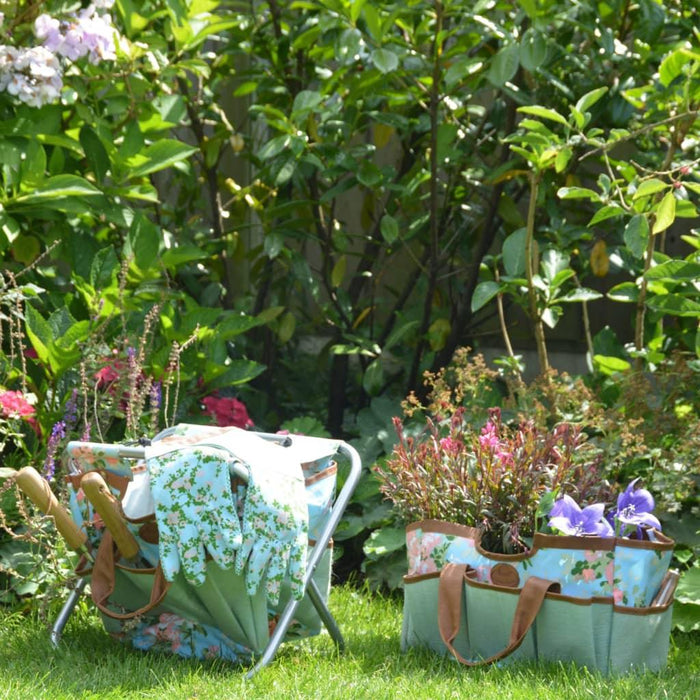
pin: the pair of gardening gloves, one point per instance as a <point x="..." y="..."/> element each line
<point x="196" y="512"/>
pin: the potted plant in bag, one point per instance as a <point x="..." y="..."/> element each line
<point x="503" y="562"/>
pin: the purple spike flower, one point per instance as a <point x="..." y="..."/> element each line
<point x="568" y="517"/>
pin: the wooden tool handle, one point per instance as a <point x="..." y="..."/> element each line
<point x="37" y="489"/>
<point x="104" y="502"/>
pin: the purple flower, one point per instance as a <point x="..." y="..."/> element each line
<point x="58" y="432"/>
<point x="567" y="517"/>
<point x="634" y="506"/>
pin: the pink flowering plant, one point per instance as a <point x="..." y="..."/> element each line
<point x="491" y="477"/>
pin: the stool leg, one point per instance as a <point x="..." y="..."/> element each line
<point x="66" y="611"/>
<point x="325" y="614"/>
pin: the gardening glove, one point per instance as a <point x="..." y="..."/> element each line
<point x="275" y="530"/>
<point x="275" y="514"/>
<point x="195" y="510"/>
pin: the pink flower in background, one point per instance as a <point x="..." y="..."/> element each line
<point x="14" y="404"/>
<point x="227" y="411"/>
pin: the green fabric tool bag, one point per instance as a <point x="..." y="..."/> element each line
<point x="450" y="611"/>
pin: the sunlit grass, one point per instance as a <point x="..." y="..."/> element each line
<point x="89" y="664"/>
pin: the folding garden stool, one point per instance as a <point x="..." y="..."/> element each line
<point x="105" y="472"/>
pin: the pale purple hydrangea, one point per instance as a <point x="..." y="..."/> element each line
<point x="34" y="75"/>
<point x="86" y="34"/>
<point x="31" y="75"/>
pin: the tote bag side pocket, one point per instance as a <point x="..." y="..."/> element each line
<point x="640" y="638"/>
<point x="420" y="616"/>
<point x="574" y="629"/>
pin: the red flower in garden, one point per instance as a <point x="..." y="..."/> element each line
<point x="109" y="374"/>
<point x="227" y="411"/>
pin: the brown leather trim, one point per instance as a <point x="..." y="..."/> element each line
<point x="647" y="610"/>
<point x="663" y="544"/>
<point x="497" y="556"/>
<point x="329" y="471"/>
<point x="584" y="542"/>
<point x="446" y="528"/>
<point x="416" y="578"/>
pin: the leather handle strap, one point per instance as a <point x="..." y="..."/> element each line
<point x="450" y="592"/>
<point x="103" y="580"/>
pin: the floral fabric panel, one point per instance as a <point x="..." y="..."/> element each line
<point x="429" y="551"/>
<point x="195" y="511"/>
<point x="630" y="574"/>
<point x="638" y="573"/>
<point x="176" y="635"/>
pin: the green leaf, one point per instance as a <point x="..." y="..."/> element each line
<point x="483" y="293"/>
<point x="306" y="101"/>
<point x="579" y="295"/>
<point x="688" y="589"/>
<point x="551" y="316"/>
<point x="610" y="365"/>
<point x="95" y="152"/>
<point x="624" y="292"/>
<point x="590" y="98"/>
<point x="543" y="113"/>
<point x="389" y="228"/>
<point x="181" y="255"/>
<point x="104" y="268"/>
<point x="238" y="372"/>
<point x="384" y="541"/>
<point x="609" y="211"/>
<point x="672" y="66"/>
<point x="60" y="186"/>
<point x="636" y="235"/>
<point x="665" y="213"/>
<point x="399" y="334"/>
<point x="385" y="60"/>
<point x="649" y="187"/>
<point x="504" y="65"/>
<point x="675" y="271"/>
<point x="160" y="155"/>
<point x="514" y="252"/>
<point x="686" y="616"/>
<point x="338" y="272"/>
<point x="144" y="242"/>
<point x="578" y="193"/>
<point x="373" y="378"/>
<point x="39" y="334"/>
<point x="533" y="50"/>
<point x="553" y="263"/>
<point x="675" y="305"/>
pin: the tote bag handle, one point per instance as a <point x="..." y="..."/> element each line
<point x="450" y="592"/>
<point x="103" y="581"/>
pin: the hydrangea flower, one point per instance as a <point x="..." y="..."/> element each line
<point x="227" y="411"/>
<point x="33" y="75"/>
<point x="14" y="405"/>
<point x="87" y="34"/>
<point x="568" y="517"/>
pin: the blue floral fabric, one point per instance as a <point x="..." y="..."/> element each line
<point x="188" y="639"/>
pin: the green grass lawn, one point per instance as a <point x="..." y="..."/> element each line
<point x="89" y="664"/>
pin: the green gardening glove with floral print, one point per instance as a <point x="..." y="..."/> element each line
<point x="275" y="528"/>
<point x="195" y="510"/>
